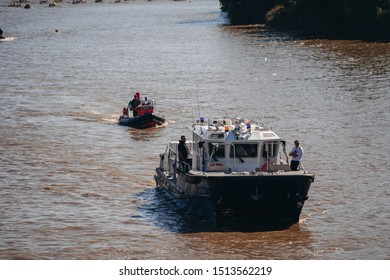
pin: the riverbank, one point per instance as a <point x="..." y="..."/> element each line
<point x="367" y="20"/>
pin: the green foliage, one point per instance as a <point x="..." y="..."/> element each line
<point x="310" y="16"/>
<point x="247" y="11"/>
<point x="366" y="19"/>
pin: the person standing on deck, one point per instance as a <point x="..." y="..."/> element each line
<point x="183" y="152"/>
<point x="296" y="154"/>
<point x="133" y="105"/>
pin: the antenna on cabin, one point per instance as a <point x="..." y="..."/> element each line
<point x="197" y="96"/>
<point x="192" y="108"/>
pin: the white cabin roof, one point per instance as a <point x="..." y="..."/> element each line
<point x="233" y="130"/>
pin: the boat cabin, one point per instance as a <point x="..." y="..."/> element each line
<point x="235" y="146"/>
<point x="146" y="107"/>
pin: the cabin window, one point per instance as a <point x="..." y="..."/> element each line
<point x="244" y="150"/>
<point x="219" y="150"/>
<point x="269" y="150"/>
<point x="217" y="136"/>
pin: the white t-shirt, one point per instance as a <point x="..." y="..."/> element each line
<point x="299" y="151"/>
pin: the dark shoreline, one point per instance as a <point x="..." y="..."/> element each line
<point x="335" y="20"/>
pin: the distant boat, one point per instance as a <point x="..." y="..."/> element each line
<point x="1" y="35"/>
<point x="143" y="117"/>
<point x="236" y="169"/>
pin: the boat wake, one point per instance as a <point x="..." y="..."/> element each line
<point x="7" y="39"/>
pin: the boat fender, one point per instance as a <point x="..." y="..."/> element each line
<point x="264" y="167"/>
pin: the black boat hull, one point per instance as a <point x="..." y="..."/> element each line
<point x="141" y="122"/>
<point x="267" y="197"/>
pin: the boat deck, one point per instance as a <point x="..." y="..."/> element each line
<point x="241" y="174"/>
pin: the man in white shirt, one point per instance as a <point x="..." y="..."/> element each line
<point x="296" y="154"/>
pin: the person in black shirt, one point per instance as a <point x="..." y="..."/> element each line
<point x="183" y="152"/>
<point x="133" y="104"/>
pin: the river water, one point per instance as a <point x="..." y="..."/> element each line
<point x="75" y="185"/>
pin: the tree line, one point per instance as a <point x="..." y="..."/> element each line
<point x="349" y="19"/>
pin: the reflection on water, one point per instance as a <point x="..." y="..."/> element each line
<point x="146" y="135"/>
<point x="161" y="210"/>
<point x="241" y="238"/>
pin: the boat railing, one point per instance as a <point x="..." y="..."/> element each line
<point x="281" y="165"/>
<point x="184" y="166"/>
<point x="281" y="162"/>
<point x="234" y="157"/>
<point x="301" y="167"/>
<point x="169" y="159"/>
<point x="275" y="162"/>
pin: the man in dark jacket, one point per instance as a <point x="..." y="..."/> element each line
<point x="183" y="152"/>
<point x="133" y="104"/>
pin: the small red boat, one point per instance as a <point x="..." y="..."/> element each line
<point x="143" y="114"/>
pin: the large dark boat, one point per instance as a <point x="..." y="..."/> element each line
<point x="143" y="116"/>
<point x="235" y="169"/>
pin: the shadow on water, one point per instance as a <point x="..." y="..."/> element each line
<point x="159" y="208"/>
<point x="260" y="32"/>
